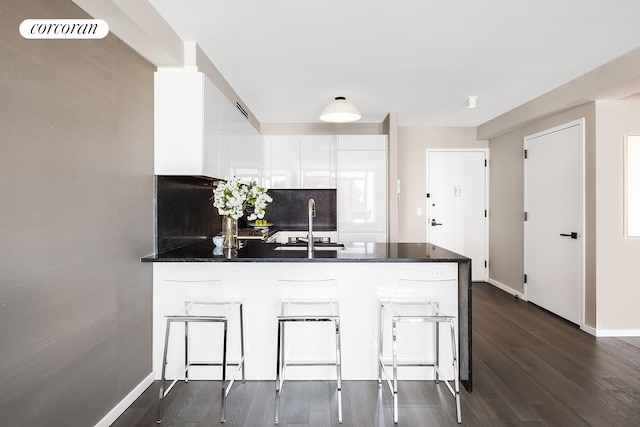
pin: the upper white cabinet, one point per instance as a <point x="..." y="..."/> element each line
<point x="198" y="131"/>
<point x="300" y="161"/>
<point x="362" y="188"/>
<point x="245" y="150"/>
<point x="213" y="102"/>
<point x="318" y="161"/>
<point x="283" y="154"/>
<point x="186" y="116"/>
<point x="226" y="134"/>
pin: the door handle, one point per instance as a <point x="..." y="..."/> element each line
<point x="434" y="223"/>
<point x="573" y="235"/>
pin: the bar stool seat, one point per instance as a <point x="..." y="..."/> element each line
<point x="409" y="306"/>
<point x="307" y="301"/>
<point x="217" y="311"/>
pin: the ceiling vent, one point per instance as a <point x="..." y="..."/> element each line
<point x="242" y="110"/>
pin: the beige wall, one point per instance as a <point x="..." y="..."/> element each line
<point x="76" y="215"/>
<point x="506" y="229"/>
<point x="618" y="290"/>
<point x="322" y="128"/>
<point x="412" y="161"/>
<point x="506" y="182"/>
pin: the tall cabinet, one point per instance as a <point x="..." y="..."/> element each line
<point x="362" y="188"/>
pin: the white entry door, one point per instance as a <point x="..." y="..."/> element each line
<point x="554" y="227"/>
<point x="457" y="204"/>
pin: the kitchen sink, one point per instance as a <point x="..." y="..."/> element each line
<point x="318" y="246"/>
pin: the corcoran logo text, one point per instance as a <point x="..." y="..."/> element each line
<point x="64" y="29"/>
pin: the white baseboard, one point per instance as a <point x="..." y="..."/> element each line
<point x="588" y="329"/>
<point x="126" y="402"/>
<point x="506" y="288"/>
<point x="616" y="332"/>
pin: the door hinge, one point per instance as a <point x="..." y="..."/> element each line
<point x="428" y="195"/>
<point x="485" y="213"/>
<point x="486" y="264"/>
<point x="525" y="154"/>
<point x="485" y="163"/>
<point x="525" y="278"/>
<point x="525" y="216"/>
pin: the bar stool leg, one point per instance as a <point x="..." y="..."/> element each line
<point x="280" y="359"/>
<point x="223" y="402"/>
<point x="186" y="352"/>
<point x="164" y="371"/>
<point x="381" y="344"/>
<point x="436" y="346"/>
<point x="455" y="372"/>
<point x="339" y="369"/>
<point x="242" y="340"/>
<point x="395" y="369"/>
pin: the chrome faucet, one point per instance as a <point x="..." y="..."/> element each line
<point x="312" y="213"/>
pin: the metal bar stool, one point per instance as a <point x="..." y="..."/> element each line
<point x="409" y="305"/>
<point x="212" y="311"/>
<point x="307" y="301"/>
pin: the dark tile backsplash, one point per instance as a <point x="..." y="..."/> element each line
<point x="185" y="213"/>
<point x="288" y="211"/>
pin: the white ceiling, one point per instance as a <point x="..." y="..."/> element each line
<point x="421" y="59"/>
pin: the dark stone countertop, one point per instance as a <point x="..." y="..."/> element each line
<point x="258" y="251"/>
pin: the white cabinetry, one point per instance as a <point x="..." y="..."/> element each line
<point x="226" y="135"/>
<point x="255" y="282"/>
<point x="245" y="152"/>
<point x="300" y="161"/>
<point x="186" y="111"/>
<point x="318" y="161"/>
<point x="362" y="188"/>
<point x="283" y="154"/>
<point x="198" y="131"/>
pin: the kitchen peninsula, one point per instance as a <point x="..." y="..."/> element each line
<point x="361" y="269"/>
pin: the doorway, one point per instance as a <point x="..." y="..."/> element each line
<point x="457" y="200"/>
<point x="554" y="225"/>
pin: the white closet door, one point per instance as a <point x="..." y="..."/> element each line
<point x="554" y="226"/>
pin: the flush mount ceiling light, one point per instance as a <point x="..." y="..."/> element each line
<point x="340" y="111"/>
<point x="472" y="101"/>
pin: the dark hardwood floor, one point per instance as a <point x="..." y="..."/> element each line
<point x="531" y="368"/>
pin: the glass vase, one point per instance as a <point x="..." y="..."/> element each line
<point x="229" y="232"/>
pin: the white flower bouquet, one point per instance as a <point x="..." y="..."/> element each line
<point x="232" y="197"/>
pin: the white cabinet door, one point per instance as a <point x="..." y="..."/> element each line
<point x="318" y="161"/>
<point x="300" y="161"/>
<point x="362" y="187"/>
<point x="245" y="160"/>
<point x="187" y="113"/>
<point x="212" y="102"/>
<point x="285" y="161"/>
<point x="178" y="114"/>
<point x="227" y="129"/>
